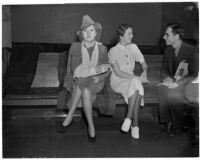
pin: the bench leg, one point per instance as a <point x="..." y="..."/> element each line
<point x="111" y="108"/>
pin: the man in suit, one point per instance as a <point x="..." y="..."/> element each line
<point x="179" y="66"/>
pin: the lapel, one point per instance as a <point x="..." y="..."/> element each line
<point x="181" y="52"/>
<point x="170" y="60"/>
<point x="100" y="54"/>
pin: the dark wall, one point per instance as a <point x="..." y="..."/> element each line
<point x="59" y="23"/>
<point x="184" y="13"/>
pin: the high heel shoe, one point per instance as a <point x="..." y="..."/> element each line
<point x="91" y="139"/>
<point x="63" y="129"/>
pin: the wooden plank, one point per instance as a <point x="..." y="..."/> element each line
<point x="146" y="101"/>
<point x="30" y="102"/>
<point x="30" y="96"/>
<point x="47" y="70"/>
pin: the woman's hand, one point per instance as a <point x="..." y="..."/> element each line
<point x="102" y="68"/>
<point x="96" y="79"/>
<point x="143" y="77"/>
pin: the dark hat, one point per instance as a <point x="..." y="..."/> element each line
<point x="86" y="22"/>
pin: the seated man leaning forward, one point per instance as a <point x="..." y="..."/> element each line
<point x="180" y="65"/>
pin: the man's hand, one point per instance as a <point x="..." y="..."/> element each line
<point x="167" y="80"/>
<point x="172" y="85"/>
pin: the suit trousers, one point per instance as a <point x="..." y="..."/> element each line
<point x="171" y="104"/>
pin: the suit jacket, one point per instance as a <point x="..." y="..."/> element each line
<point x="188" y="53"/>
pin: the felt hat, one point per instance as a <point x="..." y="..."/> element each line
<point x="86" y="22"/>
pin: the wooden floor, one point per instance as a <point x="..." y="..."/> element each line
<point x="37" y="138"/>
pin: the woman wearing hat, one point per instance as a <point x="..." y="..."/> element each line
<point x="86" y="71"/>
<point x="123" y="57"/>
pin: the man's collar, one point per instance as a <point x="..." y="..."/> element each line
<point x="177" y="46"/>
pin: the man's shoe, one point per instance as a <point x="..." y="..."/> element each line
<point x="166" y="127"/>
<point x="175" y="132"/>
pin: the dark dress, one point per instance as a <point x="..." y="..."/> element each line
<point x="74" y="60"/>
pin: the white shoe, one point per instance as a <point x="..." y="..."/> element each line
<point x="126" y="125"/>
<point x="135" y="132"/>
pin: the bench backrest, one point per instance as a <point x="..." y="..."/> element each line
<point x="154" y="63"/>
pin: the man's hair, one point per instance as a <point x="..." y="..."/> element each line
<point x="176" y="29"/>
<point x="122" y="29"/>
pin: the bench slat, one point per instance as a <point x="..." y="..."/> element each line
<point x="30" y="102"/>
<point x="29" y="97"/>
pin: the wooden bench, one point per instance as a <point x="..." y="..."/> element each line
<point x="45" y="85"/>
<point x="48" y="96"/>
<point x="30" y="99"/>
<point x="154" y="64"/>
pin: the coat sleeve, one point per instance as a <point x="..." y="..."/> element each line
<point x="104" y="55"/>
<point x="164" y="69"/>
<point x="73" y="62"/>
<point x="193" y="67"/>
<point x="75" y="55"/>
<point x="103" y="60"/>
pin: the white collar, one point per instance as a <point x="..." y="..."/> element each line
<point x="123" y="47"/>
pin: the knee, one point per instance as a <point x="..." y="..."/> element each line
<point x="175" y="97"/>
<point x="76" y="88"/>
<point x="87" y="97"/>
<point x="168" y="94"/>
<point x="192" y="99"/>
<point x="86" y="92"/>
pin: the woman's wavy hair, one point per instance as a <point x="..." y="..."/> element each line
<point x="122" y="29"/>
<point x="176" y="29"/>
